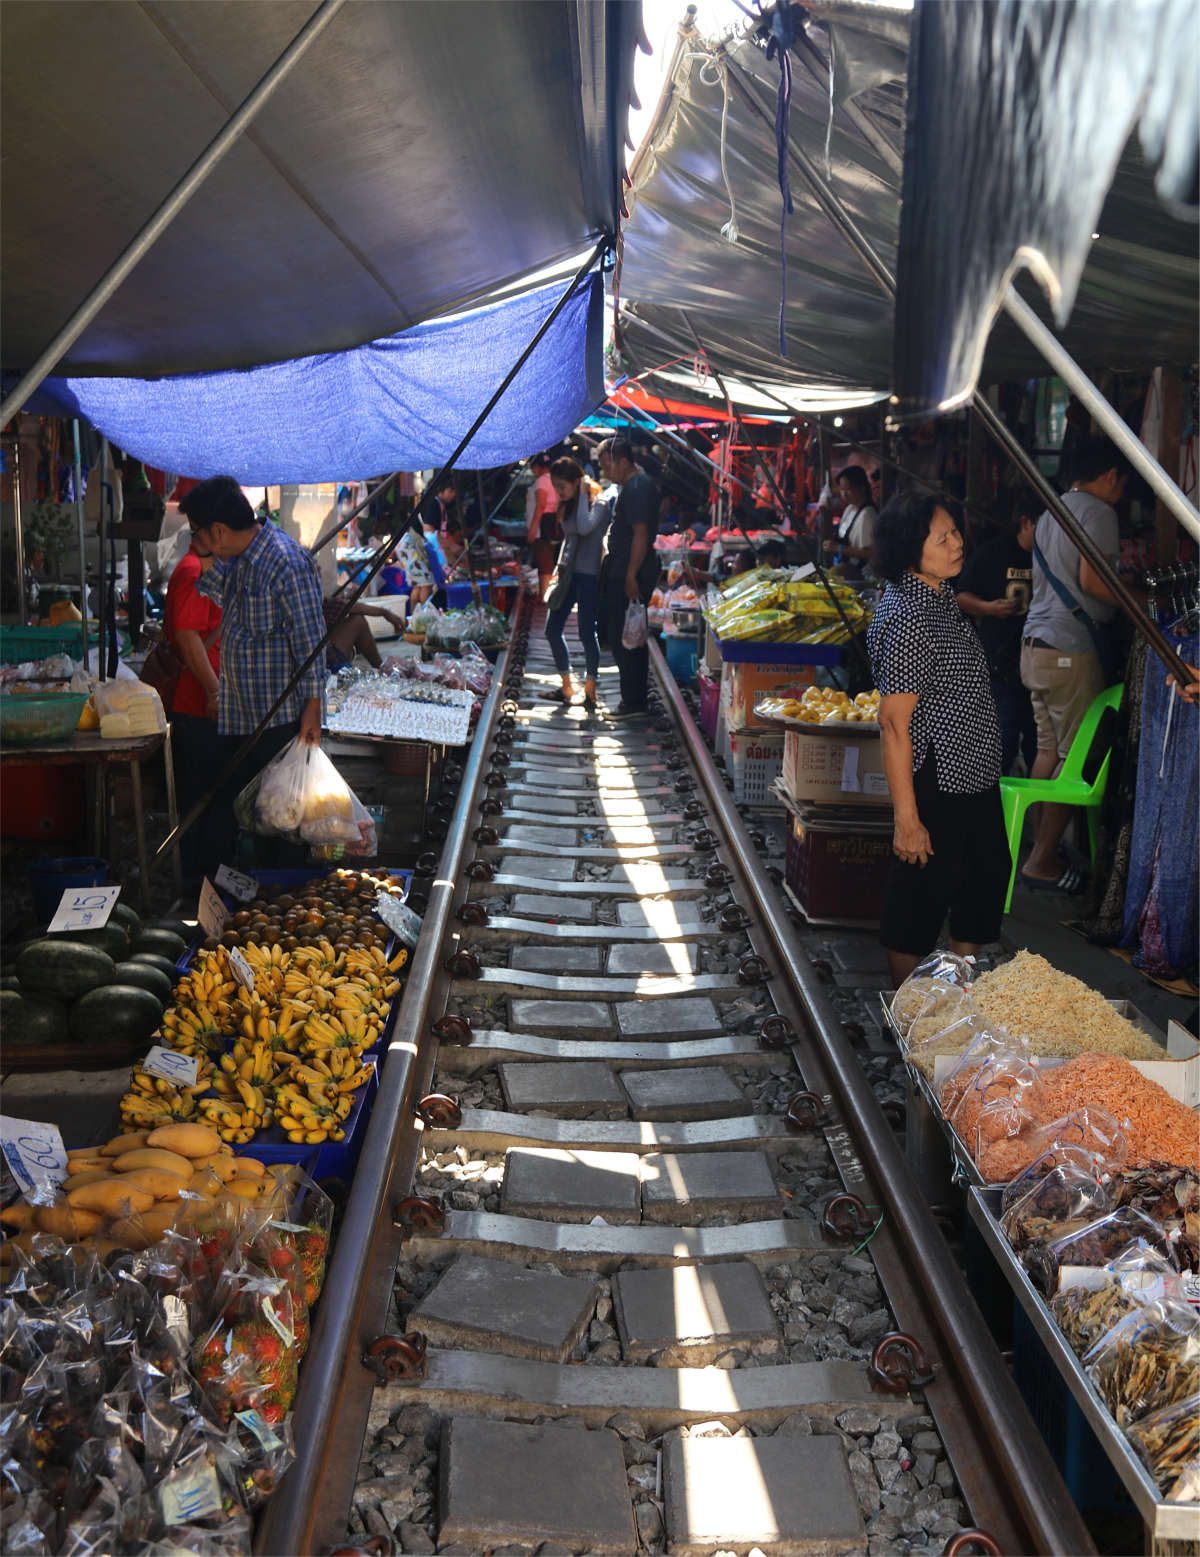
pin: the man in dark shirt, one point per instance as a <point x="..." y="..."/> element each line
<point x="632" y="566"/>
<point x="994" y="590"/>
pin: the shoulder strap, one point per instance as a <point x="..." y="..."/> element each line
<point x="1068" y="599"/>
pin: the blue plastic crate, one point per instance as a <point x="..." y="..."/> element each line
<point x="459" y="596"/>
<point x="681" y="653"/>
<point x="1088" y="1472"/>
<point x="758" y="652"/>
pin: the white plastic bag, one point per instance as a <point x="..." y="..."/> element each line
<point x="279" y="802"/>
<point x="634" y="632"/>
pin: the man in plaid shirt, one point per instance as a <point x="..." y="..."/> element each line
<point x="269" y="592"/>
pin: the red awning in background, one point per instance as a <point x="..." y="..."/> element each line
<point x="631" y="394"/>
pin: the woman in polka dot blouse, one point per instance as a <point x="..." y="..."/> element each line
<point x="941" y="743"/>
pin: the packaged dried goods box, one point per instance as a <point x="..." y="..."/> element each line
<point x="831" y="765"/>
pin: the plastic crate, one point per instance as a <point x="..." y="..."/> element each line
<point x="1088" y="1472"/>
<point x="837" y="866"/>
<point x="755" y="761"/>
<point x="756" y="651"/>
<point x="459" y="596"/>
<point x="681" y="658"/>
<point x="18" y="644"/>
<point x="710" y="704"/>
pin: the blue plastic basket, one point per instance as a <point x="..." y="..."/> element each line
<point x="681" y="658"/>
<point x="331" y="1159"/>
<point x="460" y="595"/>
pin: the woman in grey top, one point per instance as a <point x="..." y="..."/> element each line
<point x="585" y="513"/>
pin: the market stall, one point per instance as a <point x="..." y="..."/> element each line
<point x="1071" y="1122"/>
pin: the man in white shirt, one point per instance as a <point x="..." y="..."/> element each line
<point x="1060" y="663"/>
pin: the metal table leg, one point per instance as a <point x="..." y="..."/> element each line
<point x="172" y="812"/>
<point x="139" y="820"/>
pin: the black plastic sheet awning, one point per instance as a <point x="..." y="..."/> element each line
<point x="1137" y="301"/>
<point x="399" y="173"/>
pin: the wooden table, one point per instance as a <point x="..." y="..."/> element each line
<point x="91" y="750"/>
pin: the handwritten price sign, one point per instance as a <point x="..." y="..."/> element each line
<point x="243" y="888"/>
<point x="84" y="908"/>
<point x="242" y="971"/>
<point x="34" y="1151"/>
<point x="179" y="1069"/>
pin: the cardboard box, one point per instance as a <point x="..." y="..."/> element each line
<point x="743" y="684"/>
<point x="829" y="767"/>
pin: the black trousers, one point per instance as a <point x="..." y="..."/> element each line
<point x="966" y="877"/>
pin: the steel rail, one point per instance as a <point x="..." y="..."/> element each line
<point x="1002" y="1463"/>
<point x="335" y="1391"/>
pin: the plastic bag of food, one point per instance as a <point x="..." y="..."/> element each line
<point x="955" y="1029"/>
<point x="635" y="631"/>
<point x="1096" y="1243"/>
<point x="993" y="1067"/>
<point x="277" y="793"/>
<point x="1167" y="1442"/>
<point x="1090" y="1133"/>
<point x="423" y="618"/>
<point x="1171" y="1196"/>
<point x="1093" y="1303"/>
<point x="1056" y="1194"/>
<point x="1150" y="1359"/>
<point x="935" y="987"/>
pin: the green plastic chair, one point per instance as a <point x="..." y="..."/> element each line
<point x="1070" y="788"/>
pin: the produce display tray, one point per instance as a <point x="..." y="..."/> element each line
<point x="758" y="651"/>
<point x="965" y="1170"/>
<point x="1164" y="1521"/>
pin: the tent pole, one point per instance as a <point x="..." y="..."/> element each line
<point x="845" y="224"/>
<point x="170" y="208"/>
<point x="19" y="530"/>
<point x="1045" y="342"/>
<point x="83" y="600"/>
<point x="1110" y="420"/>
<point x="381" y="555"/>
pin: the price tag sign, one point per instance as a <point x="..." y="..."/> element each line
<point x="242" y="971"/>
<point x="189" y="1495"/>
<point x="180" y="1070"/>
<point x="35" y="1153"/>
<point x="261" y="1429"/>
<point x="84" y="908"/>
<point x="243" y="888"/>
<point x="211" y="912"/>
<point x="400" y="920"/>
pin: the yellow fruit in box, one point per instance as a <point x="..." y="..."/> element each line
<point x="89" y="719"/>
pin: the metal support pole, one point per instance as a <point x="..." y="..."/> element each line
<point x="1110" y="420"/>
<point x="19" y="532"/>
<point x="170" y="208"/>
<point x="1043" y="339"/>
<point x="102" y="596"/>
<point x="83" y="600"/>
<point x="845" y="224"/>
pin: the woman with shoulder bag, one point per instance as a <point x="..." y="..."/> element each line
<point x="585" y="513"/>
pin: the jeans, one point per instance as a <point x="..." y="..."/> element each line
<point x="581" y="593"/>
<point x="1018" y="728"/>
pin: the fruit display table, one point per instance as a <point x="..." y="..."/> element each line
<point x="98" y="755"/>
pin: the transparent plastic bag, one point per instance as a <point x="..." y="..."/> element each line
<point x="1149" y="1360"/>
<point x="1167" y="1442"/>
<point x="954" y="1028"/>
<point x="1091" y="1133"/>
<point x="635" y="631"/>
<point x="1088" y="1309"/>
<point x="992" y="1069"/>
<point x="1052" y="1197"/>
<point x="934" y="988"/>
<point x="279" y="791"/>
<point x="1097" y="1243"/>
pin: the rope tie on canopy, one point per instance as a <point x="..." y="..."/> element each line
<point x="716" y="64"/>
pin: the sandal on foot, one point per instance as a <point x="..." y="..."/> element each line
<point x="1071" y="883"/>
<point x="557" y="696"/>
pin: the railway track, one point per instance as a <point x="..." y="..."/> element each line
<point x="632" y="1259"/>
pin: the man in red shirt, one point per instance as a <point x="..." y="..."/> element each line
<point x="193" y="625"/>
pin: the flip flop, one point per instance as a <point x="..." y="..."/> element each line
<point x="1071" y="883"/>
<point x="557" y="696"/>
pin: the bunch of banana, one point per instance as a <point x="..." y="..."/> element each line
<point x="196" y="1029"/>
<point x="252" y="1062"/>
<point x="324" y="1033"/>
<point x="339" y="1071"/>
<point x="373" y="959"/>
<point x="321" y="954"/>
<point x="237" y="1122"/>
<point x="209" y="982"/>
<point x="145" y="1107"/>
<point x="309" y="1116"/>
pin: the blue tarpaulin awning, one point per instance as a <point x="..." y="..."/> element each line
<point x="398" y="403"/>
